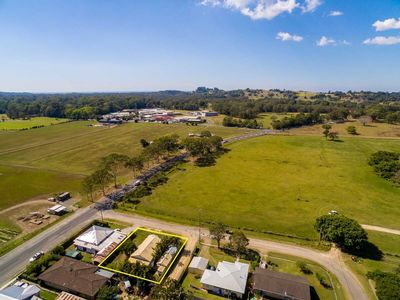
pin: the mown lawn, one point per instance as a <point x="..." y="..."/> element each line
<point x="18" y="124"/>
<point x="18" y="184"/>
<point x="386" y="242"/>
<point x="282" y="184"/>
<point x="55" y="158"/>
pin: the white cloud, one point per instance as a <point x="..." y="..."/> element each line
<point x="383" y="40"/>
<point x="336" y="13"/>
<point x="264" y="9"/>
<point x="325" y="41"/>
<point x="347" y="43"/>
<point x="210" y="2"/>
<point x="311" y="5"/>
<point x="285" y="36"/>
<point x="387" y="24"/>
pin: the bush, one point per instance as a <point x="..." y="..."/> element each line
<point x="303" y="267"/>
<point x="157" y="180"/>
<point x="386" y="164"/>
<point x="352" y="130"/>
<point x="323" y="281"/>
<point x="387" y="285"/>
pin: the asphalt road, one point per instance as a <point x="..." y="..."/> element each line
<point x="12" y="263"/>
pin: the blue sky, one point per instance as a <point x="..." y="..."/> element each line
<point x="132" y="45"/>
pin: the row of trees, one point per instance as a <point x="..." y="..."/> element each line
<point x="203" y="150"/>
<point x="297" y="121"/>
<point x="246" y="123"/>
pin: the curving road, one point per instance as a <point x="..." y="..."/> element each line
<point x="331" y="260"/>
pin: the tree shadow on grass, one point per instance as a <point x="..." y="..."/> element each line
<point x="369" y="251"/>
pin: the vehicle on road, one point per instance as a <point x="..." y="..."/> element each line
<point x="36" y="256"/>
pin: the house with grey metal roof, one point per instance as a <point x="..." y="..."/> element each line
<point x="97" y="238"/>
<point x="20" y="291"/>
<point x="278" y="285"/>
<point x="198" y="265"/>
<point x="227" y="279"/>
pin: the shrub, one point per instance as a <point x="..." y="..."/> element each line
<point x="387" y="285"/>
<point x="303" y="267"/>
<point x="323" y="281"/>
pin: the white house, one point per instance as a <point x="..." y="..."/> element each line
<point x="228" y="279"/>
<point x="97" y="238"/>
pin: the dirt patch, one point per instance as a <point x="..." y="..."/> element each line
<point x="29" y="216"/>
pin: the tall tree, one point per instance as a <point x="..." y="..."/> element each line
<point x="114" y="162"/>
<point x="135" y="164"/>
<point x="239" y="242"/>
<point x="218" y="232"/>
<point x="101" y="178"/>
<point x="326" y="128"/>
<point x="343" y="231"/>
<point x="170" y="289"/>
<point x="89" y="187"/>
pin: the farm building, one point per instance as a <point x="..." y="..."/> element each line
<point x="73" y="276"/>
<point x="198" y="265"/>
<point x="166" y="259"/>
<point x="57" y="210"/>
<point x="206" y="113"/>
<point x="278" y="285"/>
<point x="97" y="238"/>
<point x="229" y="279"/>
<point x="20" y="291"/>
<point x="144" y="253"/>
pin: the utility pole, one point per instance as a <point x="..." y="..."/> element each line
<point x="199" y="225"/>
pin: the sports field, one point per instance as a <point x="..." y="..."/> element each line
<point x="19" y="124"/>
<point x="281" y="184"/>
<point x="55" y="158"/>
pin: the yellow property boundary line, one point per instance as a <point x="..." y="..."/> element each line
<point x="185" y="239"/>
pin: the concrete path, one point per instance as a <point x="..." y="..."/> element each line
<point x="381" y="229"/>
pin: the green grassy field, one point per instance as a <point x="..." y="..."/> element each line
<point x="281" y="184"/>
<point x="19" y="124"/>
<point x="55" y="158"/>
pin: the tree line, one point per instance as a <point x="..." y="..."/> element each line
<point x="203" y="150"/>
<point x="379" y="106"/>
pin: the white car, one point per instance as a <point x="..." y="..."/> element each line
<point x="36" y="256"/>
<point x="333" y="212"/>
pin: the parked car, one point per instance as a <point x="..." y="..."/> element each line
<point x="36" y="256"/>
<point x="333" y="212"/>
<point x="52" y="199"/>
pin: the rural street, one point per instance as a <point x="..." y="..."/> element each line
<point x="15" y="261"/>
<point x="331" y="260"/>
